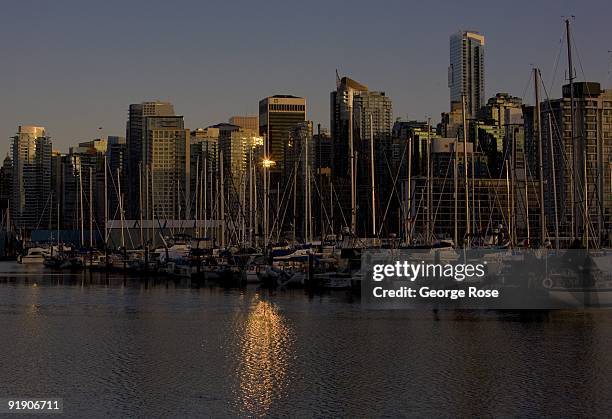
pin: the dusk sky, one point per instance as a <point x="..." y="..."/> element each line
<point x="74" y="66"/>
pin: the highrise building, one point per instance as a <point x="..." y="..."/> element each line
<point x="158" y="158"/>
<point x="278" y="114"/>
<point x="136" y="140"/>
<point x="584" y="160"/>
<point x="361" y="120"/>
<point x="466" y="71"/>
<point x="167" y="160"/>
<point x="342" y="108"/>
<point x="31" y="191"/>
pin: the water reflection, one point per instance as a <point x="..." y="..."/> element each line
<point x="265" y="348"/>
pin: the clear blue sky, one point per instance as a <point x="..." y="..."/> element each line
<point x="74" y="66"/>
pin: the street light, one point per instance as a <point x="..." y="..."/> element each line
<point x="267" y="163"/>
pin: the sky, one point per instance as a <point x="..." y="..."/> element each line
<point x="75" y="66"/>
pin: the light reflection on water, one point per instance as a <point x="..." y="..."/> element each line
<point x="161" y="348"/>
<point x="265" y="348"/>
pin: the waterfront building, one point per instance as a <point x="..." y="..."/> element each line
<point x="167" y="162"/>
<point x="136" y="140"/>
<point x="361" y="122"/>
<point x="277" y="115"/>
<point x="582" y="163"/>
<point x="158" y="159"/>
<point x="31" y="189"/>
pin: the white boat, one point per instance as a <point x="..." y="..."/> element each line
<point x="34" y="255"/>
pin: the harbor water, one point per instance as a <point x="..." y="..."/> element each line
<point x="116" y="346"/>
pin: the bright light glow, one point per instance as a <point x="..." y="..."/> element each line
<point x="267" y="163"/>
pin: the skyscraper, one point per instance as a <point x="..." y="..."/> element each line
<point x="466" y="71"/>
<point x="167" y="160"/>
<point x="135" y="147"/>
<point x="361" y="122"/>
<point x="158" y="158"/>
<point x="31" y="194"/>
<point x="278" y="114"/>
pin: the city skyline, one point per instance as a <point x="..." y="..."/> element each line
<point x="82" y="91"/>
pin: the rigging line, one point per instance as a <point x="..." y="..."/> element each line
<point x="323" y="207"/>
<point x="555" y="67"/>
<point x="496" y="191"/>
<point x="339" y="206"/>
<point x="282" y="201"/>
<point x="394" y="191"/>
<point x="281" y="223"/>
<point x="527" y="86"/>
<point x="435" y="215"/>
<point x="42" y="214"/>
<point x="566" y="163"/>
<point x="589" y="165"/>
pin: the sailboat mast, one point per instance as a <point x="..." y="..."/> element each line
<point x="456" y="190"/>
<point x="372" y="176"/>
<point x="91" y="207"/>
<point x="251" y="179"/>
<point x="508" y="199"/>
<point x="105" y="206"/>
<point x="573" y="183"/>
<point x="309" y="197"/>
<point x="222" y="200"/>
<point x="429" y="186"/>
<point x="353" y="174"/>
<point x="205" y="194"/>
<point x="58" y="223"/>
<point x="197" y="197"/>
<point x="409" y="187"/>
<point x="554" y="179"/>
<point x="81" y="202"/>
<point x="536" y="80"/>
<point x="465" y="172"/>
<point x="140" y="203"/>
<point x="121" y="209"/>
